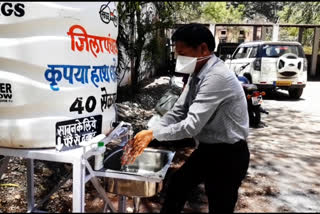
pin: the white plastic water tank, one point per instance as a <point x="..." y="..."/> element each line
<point x="57" y="72"/>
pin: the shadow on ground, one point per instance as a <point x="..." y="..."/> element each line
<point x="285" y="161"/>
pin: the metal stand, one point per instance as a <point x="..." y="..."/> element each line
<point x="136" y="203"/>
<point x="78" y="157"/>
<point x="74" y="157"/>
<point x="122" y="203"/>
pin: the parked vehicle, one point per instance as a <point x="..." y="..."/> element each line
<point x="254" y="101"/>
<point x="272" y="65"/>
<point x="226" y="49"/>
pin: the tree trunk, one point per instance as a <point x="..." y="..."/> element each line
<point x="132" y="58"/>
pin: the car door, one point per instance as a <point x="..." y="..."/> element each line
<point x="252" y="69"/>
<point x="239" y="59"/>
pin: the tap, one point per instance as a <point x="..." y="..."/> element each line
<point x="121" y="135"/>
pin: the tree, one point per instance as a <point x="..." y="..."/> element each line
<point x="139" y="24"/>
<point x="301" y="13"/>
<point x="221" y="12"/>
<point x="267" y="9"/>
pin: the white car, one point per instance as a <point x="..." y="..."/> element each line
<point x="271" y="65"/>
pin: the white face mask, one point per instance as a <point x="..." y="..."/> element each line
<point x="187" y="64"/>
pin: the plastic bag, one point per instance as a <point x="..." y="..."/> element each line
<point x="166" y="102"/>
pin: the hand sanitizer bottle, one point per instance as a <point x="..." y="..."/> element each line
<point x="98" y="159"/>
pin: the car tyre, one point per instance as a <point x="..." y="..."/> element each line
<point x="295" y="93"/>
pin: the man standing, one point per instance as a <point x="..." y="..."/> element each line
<point x="212" y="109"/>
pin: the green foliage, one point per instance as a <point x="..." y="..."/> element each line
<point x="302" y="13"/>
<point x="267" y="9"/>
<point x="220" y="12"/>
<point x="140" y="25"/>
<point x="289" y="33"/>
<point x="180" y="12"/>
<point x="307" y="50"/>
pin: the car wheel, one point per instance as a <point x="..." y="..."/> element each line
<point x="295" y="93"/>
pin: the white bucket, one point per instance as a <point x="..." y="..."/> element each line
<point x="57" y="72"/>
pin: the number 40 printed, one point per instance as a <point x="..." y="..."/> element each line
<point x="107" y="100"/>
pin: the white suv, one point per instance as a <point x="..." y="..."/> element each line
<point x="271" y="65"/>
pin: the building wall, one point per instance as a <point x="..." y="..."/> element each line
<point x="232" y="34"/>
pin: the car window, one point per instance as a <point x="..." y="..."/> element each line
<point x="242" y="52"/>
<point x="254" y="52"/>
<point x="279" y="50"/>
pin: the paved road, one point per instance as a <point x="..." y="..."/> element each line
<point x="309" y="102"/>
<point x="284" y="173"/>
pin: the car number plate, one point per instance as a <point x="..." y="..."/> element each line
<point x="283" y="83"/>
<point x="256" y="100"/>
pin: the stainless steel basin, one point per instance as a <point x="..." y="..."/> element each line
<point x="132" y="188"/>
<point x="143" y="178"/>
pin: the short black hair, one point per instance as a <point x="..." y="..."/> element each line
<point x="193" y="35"/>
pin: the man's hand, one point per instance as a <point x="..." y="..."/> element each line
<point x="136" y="146"/>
